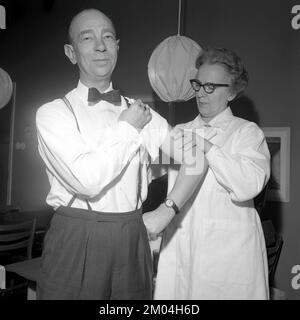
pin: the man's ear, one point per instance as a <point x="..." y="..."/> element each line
<point x="70" y="53"/>
<point x="118" y="41"/>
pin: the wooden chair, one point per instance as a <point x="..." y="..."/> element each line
<point x="15" y="292"/>
<point x="261" y="199"/>
<point x="29" y="270"/>
<point x="274" y="243"/>
<point x="16" y="241"/>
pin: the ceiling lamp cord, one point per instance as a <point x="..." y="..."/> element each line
<point x="179" y="16"/>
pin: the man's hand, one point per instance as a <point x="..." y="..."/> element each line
<point x="138" y="115"/>
<point x="156" y="221"/>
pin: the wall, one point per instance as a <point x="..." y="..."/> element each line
<point x="260" y="31"/>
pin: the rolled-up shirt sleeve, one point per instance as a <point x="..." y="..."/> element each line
<point x="80" y="168"/>
<point x="154" y="134"/>
<point x="245" y="169"/>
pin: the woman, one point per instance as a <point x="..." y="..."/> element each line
<point x="215" y="248"/>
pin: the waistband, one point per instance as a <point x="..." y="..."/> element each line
<point x="85" y="214"/>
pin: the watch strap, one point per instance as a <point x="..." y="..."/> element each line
<point x="171" y="204"/>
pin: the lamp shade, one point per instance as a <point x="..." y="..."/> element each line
<point x="171" y="66"/>
<point x="6" y="88"/>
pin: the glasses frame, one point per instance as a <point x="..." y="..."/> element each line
<point x="204" y="85"/>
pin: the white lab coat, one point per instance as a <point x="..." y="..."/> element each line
<point x="215" y="248"/>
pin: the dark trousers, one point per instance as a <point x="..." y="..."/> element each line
<point x="95" y="255"/>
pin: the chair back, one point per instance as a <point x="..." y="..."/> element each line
<point x="260" y="199"/>
<point x="274" y="243"/>
<point x="15" y="292"/>
<point x="17" y="236"/>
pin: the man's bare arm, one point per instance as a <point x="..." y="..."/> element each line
<point x="192" y="170"/>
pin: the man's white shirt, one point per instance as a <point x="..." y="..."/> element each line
<point x="99" y="159"/>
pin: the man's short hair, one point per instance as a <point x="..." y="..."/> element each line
<point x="69" y="39"/>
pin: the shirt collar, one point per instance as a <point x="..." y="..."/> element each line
<point x="221" y="120"/>
<point x="83" y="90"/>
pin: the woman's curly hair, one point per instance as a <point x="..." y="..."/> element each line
<point x="232" y="63"/>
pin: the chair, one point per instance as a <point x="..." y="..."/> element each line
<point x="14" y="292"/>
<point x="261" y="199"/>
<point x="274" y="243"/>
<point x="16" y="241"/>
<point x="29" y="270"/>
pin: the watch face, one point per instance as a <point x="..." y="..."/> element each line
<point x="169" y="202"/>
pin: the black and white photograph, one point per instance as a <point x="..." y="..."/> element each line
<point x="149" y="152"/>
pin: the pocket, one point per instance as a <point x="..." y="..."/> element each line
<point x="144" y="235"/>
<point x="228" y="250"/>
<point x="143" y="230"/>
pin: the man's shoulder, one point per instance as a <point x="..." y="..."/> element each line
<point x="52" y="106"/>
<point x="56" y="105"/>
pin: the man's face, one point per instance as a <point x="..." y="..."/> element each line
<point x="94" y="46"/>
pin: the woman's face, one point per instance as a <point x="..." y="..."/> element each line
<point x="211" y="104"/>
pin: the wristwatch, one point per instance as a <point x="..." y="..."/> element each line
<point x="171" y="204"/>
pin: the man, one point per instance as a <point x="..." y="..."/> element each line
<point x="97" y="245"/>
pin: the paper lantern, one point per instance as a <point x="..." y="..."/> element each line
<point x="171" y="66"/>
<point x="6" y="88"/>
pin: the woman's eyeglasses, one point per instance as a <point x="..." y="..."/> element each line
<point x="208" y="87"/>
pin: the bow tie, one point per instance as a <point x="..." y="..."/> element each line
<point x="112" y="96"/>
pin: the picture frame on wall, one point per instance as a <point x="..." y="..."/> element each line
<point x="278" y="140"/>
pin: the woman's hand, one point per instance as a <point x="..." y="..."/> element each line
<point x="190" y="139"/>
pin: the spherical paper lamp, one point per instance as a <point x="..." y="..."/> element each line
<point x="6" y="88"/>
<point x="171" y="66"/>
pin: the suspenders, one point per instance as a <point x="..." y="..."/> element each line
<point x="138" y="198"/>
<point x="139" y="193"/>
<point x="68" y="104"/>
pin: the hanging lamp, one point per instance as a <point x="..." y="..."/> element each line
<point x="172" y="65"/>
<point x="6" y="88"/>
